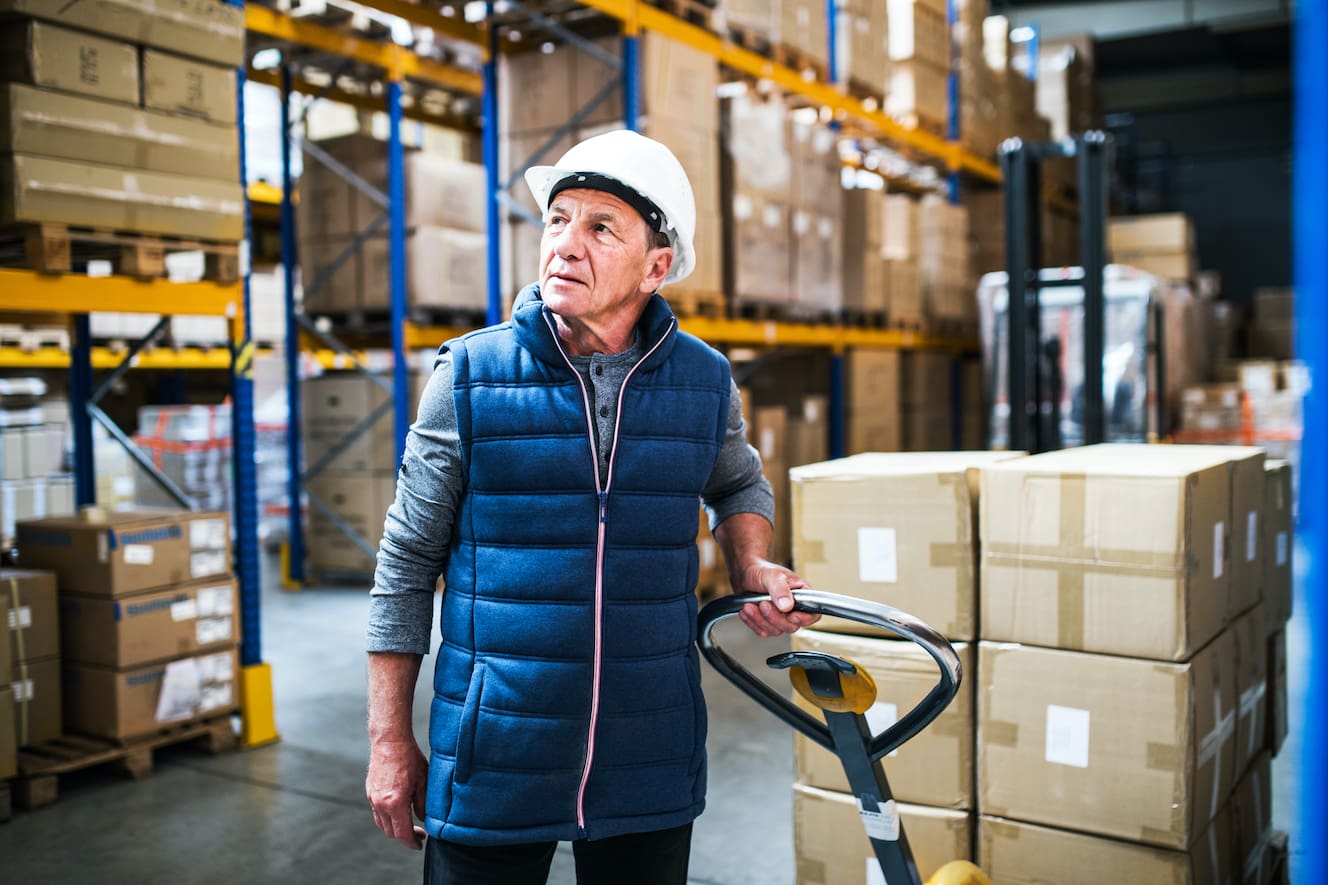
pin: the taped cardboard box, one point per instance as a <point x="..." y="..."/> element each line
<point x="677" y="85"/>
<point x="202" y="28"/>
<point x="760" y="258"/>
<point x="934" y="768"/>
<point x="918" y="31"/>
<point x="1167" y="233"/>
<point x="1014" y="851"/>
<point x="145" y="628"/>
<point x="123" y="704"/>
<point x="873" y="420"/>
<point x="37" y="692"/>
<point x="832" y="848"/>
<point x="755" y="133"/>
<point x="187" y="86"/>
<point x="40" y="189"/>
<point x="1058" y="746"/>
<point x="1252" y="823"/>
<point x="542" y="83"/>
<point x="864" y="48"/>
<point x="444" y="268"/>
<point x="862" y="261"/>
<point x="1113" y="548"/>
<point x="901" y="529"/>
<point x="8" y="737"/>
<point x="359" y="499"/>
<point x="335" y="403"/>
<point x="1279" y="541"/>
<point x="42" y="54"/>
<point x="29" y="618"/>
<point x="1276" y="700"/>
<point x="109" y="554"/>
<point x="1251" y="639"/>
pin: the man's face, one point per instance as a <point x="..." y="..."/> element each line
<point x="596" y="258"/>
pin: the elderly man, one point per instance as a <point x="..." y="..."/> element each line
<point x="553" y="474"/>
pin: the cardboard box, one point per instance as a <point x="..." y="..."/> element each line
<point x="832" y="847"/>
<point x="29" y="618"/>
<point x="769" y="436"/>
<point x="760" y="261"/>
<point x="145" y="628"/>
<point x="803" y="27"/>
<point x="1109" y="548"/>
<point x="918" y="31"/>
<point x="8" y="738"/>
<point x="755" y="137"/>
<point x="1013" y="851"/>
<point x="109" y="554"/>
<point x="442" y="192"/>
<point x="872" y="401"/>
<point x="917" y="90"/>
<point x="1178" y="266"/>
<point x="36" y="689"/>
<point x="44" y="55"/>
<point x="444" y="268"/>
<point x="39" y="189"/>
<point x="187" y="86"/>
<point x="330" y="287"/>
<point x="818" y="288"/>
<point x="678" y="85"/>
<point x="1251" y="640"/>
<point x="901" y="529"/>
<point x="1248" y="488"/>
<point x="1279" y="541"/>
<point x="19" y="500"/>
<point x="904" y="296"/>
<point x="361" y="501"/>
<point x="1252" y="819"/>
<point x="71" y="127"/>
<point x="864" y="49"/>
<point x="201" y="28"/>
<point x="546" y="93"/>
<point x="934" y="768"/>
<point x="1276" y="700"/>
<point x="1163" y="234"/>
<point x="1058" y="745"/>
<point x="324" y="207"/>
<point x="122" y="704"/>
<point x="334" y="404"/>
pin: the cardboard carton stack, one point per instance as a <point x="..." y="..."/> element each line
<point x="803" y="29"/>
<point x="148" y="618"/>
<point x="121" y="115"/>
<point x="30" y="712"/>
<point x="902" y="530"/>
<point x="192" y="446"/>
<point x="901" y="244"/>
<point x="758" y="174"/>
<point x="1272" y="332"/>
<point x="863" y="257"/>
<point x="33" y="438"/>
<point x="817" y="234"/>
<point x="945" y="260"/>
<point x="919" y="43"/>
<point x="1137" y="573"/>
<point x="928" y="401"/>
<point x="446" y="217"/>
<point x="1163" y="245"/>
<point x="983" y="59"/>
<point x="864" y="46"/>
<point x="873" y="412"/>
<point x="356" y="478"/>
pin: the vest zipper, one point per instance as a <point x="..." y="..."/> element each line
<point x="602" y="492"/>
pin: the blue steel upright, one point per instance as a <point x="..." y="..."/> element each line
<point x="294" y="406"/>
<point x="489" y="143"/>
<point x="245" y="471"/>
<point x="396" y="195"/>
<point x="80" y="422"/>
<point x="1311" y="277"/>
<point x="631" y="82"/>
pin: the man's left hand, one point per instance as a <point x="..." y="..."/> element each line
<point x="776" y="616"/>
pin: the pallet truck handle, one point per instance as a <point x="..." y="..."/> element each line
<point x="872" y="613"/>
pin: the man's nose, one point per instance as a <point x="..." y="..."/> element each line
<point x="568" y="244"/>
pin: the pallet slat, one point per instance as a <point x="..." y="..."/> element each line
<point x="64" y="248"/>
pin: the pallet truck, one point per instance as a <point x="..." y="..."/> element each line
<point x="843" y="691"/>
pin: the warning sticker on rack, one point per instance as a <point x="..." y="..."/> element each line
<point x="880" y="818"/>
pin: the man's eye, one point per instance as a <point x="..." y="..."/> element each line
<point x="601" y="228"/>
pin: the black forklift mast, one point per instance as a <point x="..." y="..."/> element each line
<point x="1033" y="375"/>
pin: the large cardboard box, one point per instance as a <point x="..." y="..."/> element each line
<point x="72" y="61"/>
<point x="1164" y="234"/>
<point x="864" y="50"/>
<point x="1110" y="548"/>
<point x="760" y="260"/>
<point x="122" y="704"/>
<point x="678" y="84"/>
<point x="29" y="618"/>
<point x="917" y="90"/>
<point x="1276" y="701"/>
<point x="71" y="127"/>
<point x="330" y="287"/>
<point x="40" y="189"/>
<point x="1178" y="266"/>
<point x="442" y="192"/>
<point x="8" y="738"/>
<point x="756" y="142"/>
<point x="444" y="268"/>
<point x="1013" y="851"/>
<point x="37" y="690"/>
<point x="901" y="529"/>
<point x="1251" y="640"/>
<point x="325" y="208"/>
<point x="187" y="86"/>
<point x="158" y="625"/>
<point x="1279" y="538"/>
<point x="545" y="100"/>
<point x="863" y="261"/>
<point x="918" y="31"/>
<point x="1252" y="822"/>
<point x="1136" y="749"/>
<point x="1248" y="488"/>
<point x="361" y="501"/>
<point x="334" y="404"/>
<point x="202" y="28"/>
<point x="934" y="768"/>
<point x="832" y="847"/>
<point x="872" y="408"/>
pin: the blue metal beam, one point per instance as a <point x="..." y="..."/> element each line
<point x="631" y="81"/>
<point x="396" y="189"/>
<point x="1311" y="275"/>
<point x="289" y="259"/>
<point x="80" y="394"/>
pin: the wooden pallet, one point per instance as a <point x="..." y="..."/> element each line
<point x="869" y="319"/>
<point x="756" y="310"/>
<point x="41" y="767"/>
<point x="30" y="339"/>
<point x="693" y="12"/>
<point x="64" y="248"/>
<point x="697" y="304"/>
<point x="373" y="321"/>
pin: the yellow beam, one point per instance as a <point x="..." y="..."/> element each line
<point x="262" y="192"/>
<point x="357" y="100"/>
<point x="29" y="291"/>
<point x="456" y="29"/>
<point x="398" y="62"/>
<point x="430" y="337"/>
<point x="651" y="19"/>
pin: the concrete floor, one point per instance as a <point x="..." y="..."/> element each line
<point x="294" y="812"/>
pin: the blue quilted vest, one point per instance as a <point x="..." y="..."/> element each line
<point x="567" y="693"/>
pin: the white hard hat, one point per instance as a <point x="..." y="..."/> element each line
<point x="644" y="166"/>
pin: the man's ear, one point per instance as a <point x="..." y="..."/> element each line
<point x="660" y="260"/>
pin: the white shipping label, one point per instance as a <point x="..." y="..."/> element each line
<point x="213" y="601"/>
<point x="874" y="874"/>
<point x="207" y="562"/>
<point x="877" y="561"/>
<point x="882" y="822"/>
<point x="184" y="610"/>
<point x="214" y="696"/>
<point x="20" y="618"/>
<point x="880" y="716"/>
<point x="207" y="534"/>
<point x="138" y="554"/>
<point x="180" y="690"/>
<point x="1281" y="549"/>
<point x="215" y="668"/>
<point x="210" y="630"/>
<point x="1251" y="535"/>
<point x="1219" y="548"/>
<point x="22" y="690"/>
<point x="1067" y="736"/>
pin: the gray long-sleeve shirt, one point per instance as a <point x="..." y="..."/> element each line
<point x="418" y="528"/>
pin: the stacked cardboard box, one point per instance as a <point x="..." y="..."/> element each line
<point x="919" y="44"/>
<point x="972" y="406"/>
<point x="901" y="245"/>
<point x="863" y="258"/>
<point x="817" y="226"/>
<point x="803" y="28"/>
<point x="445" y="217"/>
<point x="29" y="660"/>
<point x="1163" y="245"/>
<point x="984" y="53"/>
<point x="945" y="260"/>
<point x="1272" y="332"/>
<point x="864" y="47"/>
<point x="191" y="445"/>
<point x="148" y="617"/>
<point x="122" y="115"/>
<point x="1116" y="571"/>
<point x="873" y="416"/>
<point x="928" y="401"/>
<point x="33" y="439"/>
<point x="758" y="174"/>
<point x="356" y="478"/>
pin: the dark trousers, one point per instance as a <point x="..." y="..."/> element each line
<point x="658" y="858"/>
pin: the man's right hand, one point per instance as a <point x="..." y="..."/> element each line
<point x="395" y="785"/>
